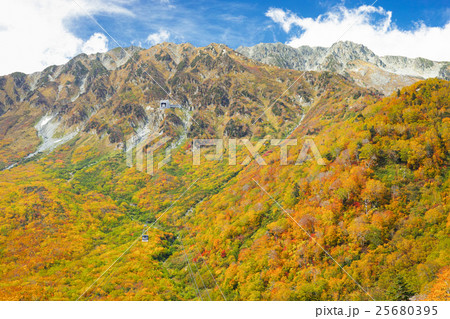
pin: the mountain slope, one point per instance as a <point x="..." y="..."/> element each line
<point x="379" y="205"/>
<point x="387" y="73"/>
<point x="218" y="89"/>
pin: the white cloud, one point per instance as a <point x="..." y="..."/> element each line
<point x="36" y="34"/>
<point x="168" y="3"/>
<point x="368" y="25"/>
<point x="285" y="18"/>
<point x="98" y="42"/>
<point x="158" y="37"/>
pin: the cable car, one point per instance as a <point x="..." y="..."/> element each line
<point x="145" y="238"/>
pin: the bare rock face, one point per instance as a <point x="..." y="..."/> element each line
<point x="386" y="73"/>
<point x="107" y="98"/>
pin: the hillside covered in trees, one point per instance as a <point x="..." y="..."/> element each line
<point x="379" y="206"/>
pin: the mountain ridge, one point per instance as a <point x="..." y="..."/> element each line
<point x="339" y="58"/>
<point x="115" y="95"/>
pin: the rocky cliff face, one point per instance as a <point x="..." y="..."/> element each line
<point x="114" y="95"/>
<point x="386" y="73"/>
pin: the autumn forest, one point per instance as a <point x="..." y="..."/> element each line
<point x="372" y="223"/>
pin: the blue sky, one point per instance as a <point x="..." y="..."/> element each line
<point x="35" y="34"/>
<point x="240" y="22"/>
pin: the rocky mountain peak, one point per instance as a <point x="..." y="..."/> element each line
<point x="347" y="50"/>
<point x="117" y="94"/>
<point x="385" y="73"/>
